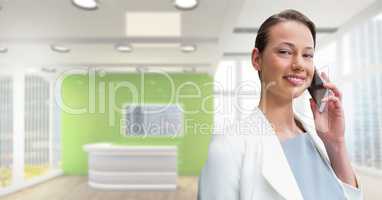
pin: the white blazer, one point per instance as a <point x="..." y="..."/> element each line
<point x="246" y="161"/>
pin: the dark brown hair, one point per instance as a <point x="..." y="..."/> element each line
<point x="262" y="37"/>
<point x="286" y="15"/>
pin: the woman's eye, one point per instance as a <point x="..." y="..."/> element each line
<point x="287" y="52"/>
<point x="308" y="55"/>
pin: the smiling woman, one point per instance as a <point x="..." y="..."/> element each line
<point x="293" y="73"/>
<point x="275" y="153"/>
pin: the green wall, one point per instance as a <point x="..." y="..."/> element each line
<point x="87" y="115"/>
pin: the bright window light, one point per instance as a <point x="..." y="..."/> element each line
<point x="378" y="17"/>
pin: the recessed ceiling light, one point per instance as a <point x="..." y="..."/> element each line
<point x="185" y="4"/>
<point x="48" y="70"/>
<point x="86" y="4"/>
<point x="3" y="50"/>
<point x="59" y="48"/>
<point x="124" y="48"/>
<point x="188" y="48"/>
<point x="32" y="70"/>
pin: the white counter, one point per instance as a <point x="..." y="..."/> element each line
<point x="122" y="167"/>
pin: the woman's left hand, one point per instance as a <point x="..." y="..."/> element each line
<point x="330" y="124"/>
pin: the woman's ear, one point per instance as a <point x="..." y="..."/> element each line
<point x="256" y="59"/>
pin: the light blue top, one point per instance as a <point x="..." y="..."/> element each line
<point x="313" y="176"/>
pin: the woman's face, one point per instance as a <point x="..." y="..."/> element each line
<point x="286" y="63"/>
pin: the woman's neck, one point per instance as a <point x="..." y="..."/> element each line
<point x="279" y="113"/>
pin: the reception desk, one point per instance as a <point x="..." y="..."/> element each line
<point x="119" y="167"/>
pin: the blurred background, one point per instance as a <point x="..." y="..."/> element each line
<point x="105" y="99"/>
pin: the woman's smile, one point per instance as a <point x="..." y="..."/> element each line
<point x="295" y="80"/>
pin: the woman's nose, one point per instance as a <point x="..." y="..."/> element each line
<point x="297" y="67"/>
<point x="297" y="64"/>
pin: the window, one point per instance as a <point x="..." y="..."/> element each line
<point x="152" y="120"/>
<point x="237" y="91"/>
<point x="6" y="130"/>
<point x="360" y="81"/>
<point x="364" y="114"/>
<point x="37" y="138"/>
<point x="225" y="77"/>
<point x="248" y="89"/>
<point x="325" y="60"/>
<point x="225" y="82"/>
<point x="347" y="49"/>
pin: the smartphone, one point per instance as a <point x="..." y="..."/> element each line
<point x="318" y="91"/>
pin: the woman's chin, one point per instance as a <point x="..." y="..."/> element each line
<point x="297" y="94"/>
<point x="289" y="93"/>
<point x="294" y="93"/>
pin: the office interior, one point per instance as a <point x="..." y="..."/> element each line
<point x="118" y="99"/>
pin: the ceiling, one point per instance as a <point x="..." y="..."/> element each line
<point x="28" y="28"/>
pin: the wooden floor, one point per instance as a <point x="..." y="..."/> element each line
<point x="76" y="188"/>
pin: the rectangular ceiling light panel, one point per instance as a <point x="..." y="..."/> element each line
<point x="153" y="24"/>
